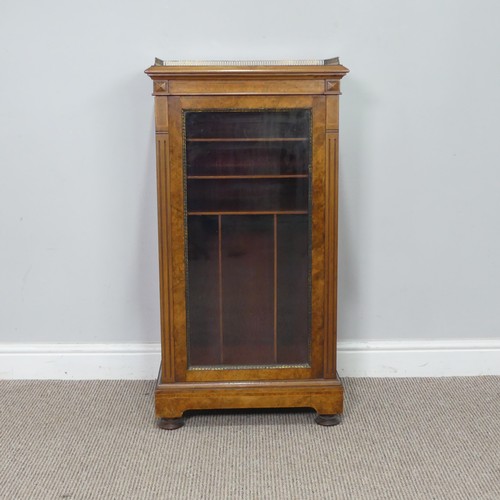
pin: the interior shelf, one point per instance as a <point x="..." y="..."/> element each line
<point x="247" y="195"/>
<point x="249" y="176"/>
<point x="249" y="139"/>
<point x="253" y="212"/>
<point x="227" y="157"/>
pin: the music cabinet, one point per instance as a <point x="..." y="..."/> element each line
<point x="247" y="162"/>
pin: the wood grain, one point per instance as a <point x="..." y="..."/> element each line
<point x="242" y="373"/>
<point x="164" y="238"/>
<point x="262" y="87"/>
<point x="246" y="73"/>
<point x="331" y="223"/>
<point x="178" y="230"/>
<point x="161" y="114"/>
<point x="318" y="237"/>
<point x="326" y="397"/>
<point x="332" y="113"/>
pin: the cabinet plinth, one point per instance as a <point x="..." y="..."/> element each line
<point x="247" y="168"/>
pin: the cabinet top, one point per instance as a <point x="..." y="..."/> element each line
<point x="314" y="67"/>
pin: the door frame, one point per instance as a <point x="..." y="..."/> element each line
<point x="177" y="332"/>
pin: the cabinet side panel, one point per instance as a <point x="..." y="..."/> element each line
<point x="331" y="223"/>
<point x="162" y="161"/>
<point x="318" y="237"/>
<point x="332" y="113"/>
<point x="161" y="114"/>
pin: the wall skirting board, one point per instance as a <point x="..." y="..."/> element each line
<point x="356" y="359"/>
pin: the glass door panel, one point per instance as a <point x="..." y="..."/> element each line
<point x="246" y="195"/>
<point x="262" y="158"/>
<point x="290" y="123"/>
<point x="247" y="180"/>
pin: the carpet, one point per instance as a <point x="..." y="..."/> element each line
<point x="436" y="438"/>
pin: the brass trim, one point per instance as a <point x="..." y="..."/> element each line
<point x="334" y="61"/>
<point x="245" y="367"/>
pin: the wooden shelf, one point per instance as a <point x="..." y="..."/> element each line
<point x="249" y="139"/>
<point x="264" y="176"/>
<point x="261" y="166"/>
<point x="253" y="212"/>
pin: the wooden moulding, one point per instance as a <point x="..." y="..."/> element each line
<point x="332" y="86"/>
<point x="224" y="86"/>
<point x="324" y="396"/>
<point x="246" y="80"/>
<point x="329" y="72"/>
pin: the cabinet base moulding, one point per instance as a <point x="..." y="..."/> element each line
<point x="172" y="400"/>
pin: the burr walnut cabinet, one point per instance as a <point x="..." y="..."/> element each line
<point x="247" y="162"/>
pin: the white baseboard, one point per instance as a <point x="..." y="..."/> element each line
<point x="355" y="359"/>
<point x="419" y="358"/>
<point x="79" y="361"/>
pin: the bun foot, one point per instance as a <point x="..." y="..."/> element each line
<point x="170" y="423"/>
<point x="327" y="419"/>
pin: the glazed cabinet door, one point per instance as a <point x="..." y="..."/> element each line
<point x="246" y="199"/>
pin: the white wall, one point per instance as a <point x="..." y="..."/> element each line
<point x="420" y="160"/>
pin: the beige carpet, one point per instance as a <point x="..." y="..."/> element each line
<point x="399" y="439"/>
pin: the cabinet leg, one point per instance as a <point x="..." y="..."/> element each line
<point x="327" y="420"/>
<point x="170" y="423"/>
